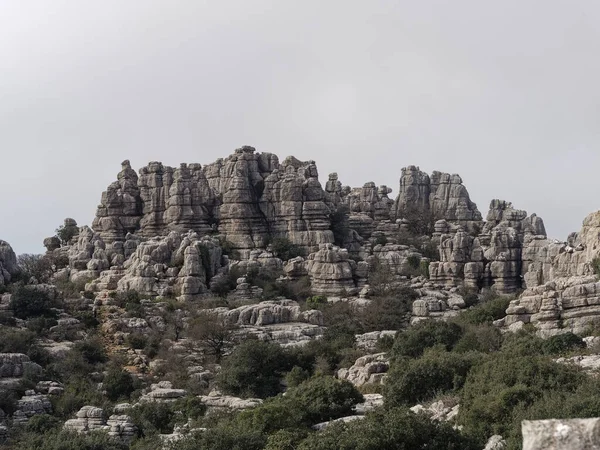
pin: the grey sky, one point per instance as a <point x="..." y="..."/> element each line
<point x="505" y="93"/>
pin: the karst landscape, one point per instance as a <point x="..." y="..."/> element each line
<point x="250" y="303"/>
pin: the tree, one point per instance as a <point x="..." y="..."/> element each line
<point x="39" y="267"/>
<point x="29" y="302"/>
<point x="254" y="369"/>
<point x="215" y="334"/>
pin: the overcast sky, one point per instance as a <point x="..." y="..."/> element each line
<point x="505" y="93"/>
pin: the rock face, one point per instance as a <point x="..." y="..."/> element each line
<point x="30" y="405"/>
<point x="15" y="365"/>
<point x="91" y="418"/>
<point x="441" y="196"/>
<point x="563" y="293"/>
<point x="8" y="263"/>
<point x="493" y="258"/>
<point x="572" y="434"/>
<point x="249" y="197"/>
<point x="369" y="369"/>
<point x="215" y="401"/>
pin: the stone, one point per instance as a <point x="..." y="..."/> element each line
<point x="15" y="365"/>
<point x="572" y="434"/>
<point x="368" y="369"/>
<point x="496" y="442"/>
<point x="216" y="401"/>
<point x="8" y="263"/>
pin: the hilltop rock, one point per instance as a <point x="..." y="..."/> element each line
<point x="8" y="263"/>
<point x="572" y="434"/>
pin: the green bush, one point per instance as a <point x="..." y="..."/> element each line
<point x="27" y="302"/>
<point x="339" y="225"/>
<point x="499" y="387"/>
<point x="480" y="338"/>
<point x="415" y="340"/>
<point x="137" y="340"/>
<point x="596" y="266"/>
<point x="118" y="384"/>
<point x="413" y="381"/>
<point x="395" y="429"/>
<point x="284" y="248"/>
<point x="324" y="398"/>
<point x="316" y="302"/>
<point x="42" y="423"/>
<point x="254" y="369"/>
<point x="15" y="341"/>
<point x="562" y="343"/>
<point x="486" y="311"/>
<point x="67" y="440"/>
<point x="92" y="350"/>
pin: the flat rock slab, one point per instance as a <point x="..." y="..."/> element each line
<point x="566" y="434"/>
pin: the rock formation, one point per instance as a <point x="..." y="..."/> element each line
<point x="491" y="259"/>
<point x="572" y="434"/>
<point x="8" y="263"/>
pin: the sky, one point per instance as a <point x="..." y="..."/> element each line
<point x="505" y="93"/>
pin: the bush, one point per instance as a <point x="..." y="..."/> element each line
<point x="36" y="266"/>
<point x="68" y="440"/>
<point x="316" y="302"/>
<point x="562" y="343"/>
<point x="395" y="429"/>
<point x="481" y="338"/>
<point x="42" y="423"/>
<point x="323" y="398"/>
<point x="91" y="350"/>
<point x="499" y="387"/>
<point x="15" y="341"/>
<point x="118" y="384"/>
<point x="254" y="369"/>
<point x="413" y="381"/>
<point x="339" y="225"/>
<point x="596" y="266"/>
<point x="415" y="340"/>
<point x="137" y="341"/>
<point x="29" y="301"/>
<point x="284" y="248"/>
<point x="485" y="312"/>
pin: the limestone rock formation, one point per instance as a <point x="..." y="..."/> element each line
<point x="249" y="197"/>
<point x="15" y="365"/>
<point x="441" y="196"/>
<point x="91" y="418"/>
<point x="368" y="369"/>
<point x="30" y="405"/>
<point x="216" y="401"/>
<point x="493" y="258"/>
<point x="572" y="434"/>
<point x="8" y="263"/>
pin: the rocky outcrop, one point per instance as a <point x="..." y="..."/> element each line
<point x="91" y="418"/>
<point x="493" y="258"/>
<point x="176" y="265"/>
<point x="30" y="405"/>
<point x="565" y="304"/>
<point x="8" y="263"/>
<point x="163" y="392"/>
<point x="572" y="434"/>
<point x="15" y="365"/>
<point x="441" y="196"/>
<point x="368" y="369"/>
<point x="438" y="411"/>
<point x="216" y="401"/>
<point x="248" y="197"/>
<point x="331" y="271"/>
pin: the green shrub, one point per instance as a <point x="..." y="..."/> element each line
<point x="486" y="311"/>
<point x="501" y="386"/>
<point x="137" y="341"/>
<point x="395" y="429"/>
<point x="596" y="266"/>
<point x="296" y="376"/>
<point x="27" y="302"/>
<point x="339" y="225"/>
<point x="316" y="302"/>
<point x="380" y="239"/>
<point x="284" y="248"/>
<point x="415" y="340"/>
<point x="481" y="338"/>
<point x="42" y="423"/>
<point x="324" y="398"/>
<point x="118" y="384"/>
<point x="285" y="439"/>
<point x="15" y="341"/>
<point x="91" y="350"/>
<point x="68" y="440"/>
<point x="413" y="261"/>
<point x="254" y="369"/>
<point x="413" y="381"/>
<point x="562" y="343"/>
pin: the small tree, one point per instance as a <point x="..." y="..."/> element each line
<point x="29" y="302"/>
<point x="215" y="334"/>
